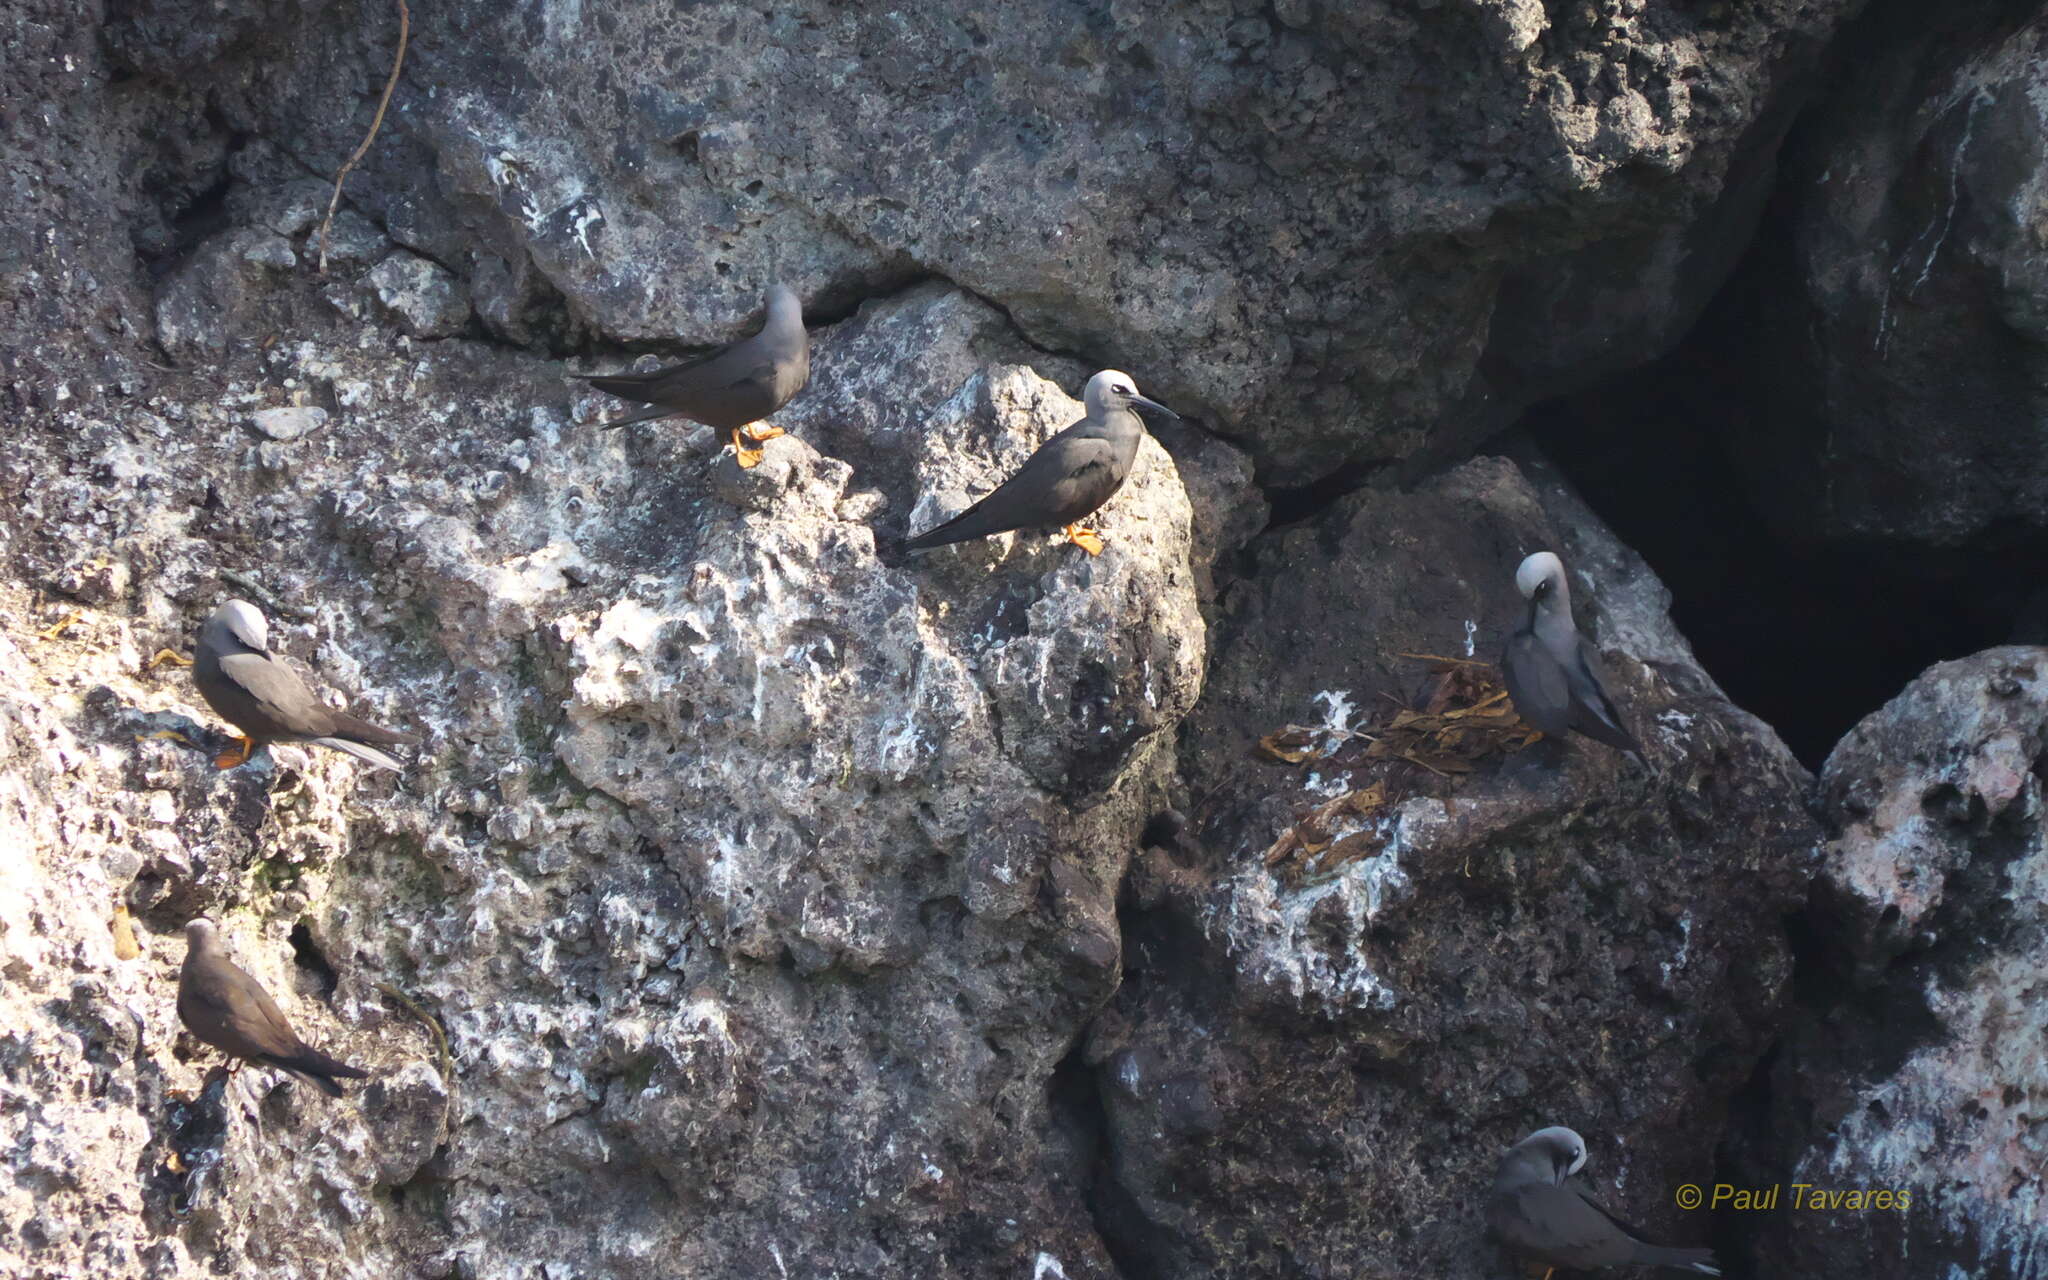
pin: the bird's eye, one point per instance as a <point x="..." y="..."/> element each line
<point x="1125" y="391"/>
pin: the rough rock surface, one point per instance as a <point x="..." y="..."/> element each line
<point x="761" y="903"/>
<point x="758" y="873"/>
<point x="1907" y="329"/>
<point x="1379" y="225"/>
<point x="1922" y="1070"/>
<point x="1317" y="1061"/>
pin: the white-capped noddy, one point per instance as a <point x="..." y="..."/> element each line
<point x="255" y="691"/>
<point x="1553" y="672"/>
<point x="1540" y="1212"/>
<point x="1068" y="477"/>
<point x="731" y="388"/>
<point x="221" y="1004"/>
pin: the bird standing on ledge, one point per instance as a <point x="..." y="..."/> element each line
<point x="1068" y="478"/>
<point x="255" y="691"/>
<point x="729" y="389"/>
<point x="1552" y="672"/>
<point x="1540" y="1212"/>
<point x="222" y="1005"/>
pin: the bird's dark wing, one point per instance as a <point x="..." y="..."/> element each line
<point x="1070" y="476"/>
<point x="636" y="386"/>
<point x="1541" y="692"/>
<point x="348" y="726"/>
<point x="1600" y="721"/>
<point x="1557" y="1225"/>
<point x="727" y="389"/>
<point x="1640" y="1250"/>
<point x="224" y="1006"/>
<point x="278" y="694"/>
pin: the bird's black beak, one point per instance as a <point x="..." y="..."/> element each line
<point x="1142" y="405"/>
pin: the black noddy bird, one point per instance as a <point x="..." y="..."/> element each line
<point x="1553" y="672"/>
<point x="222" y="1005"/>
<point x="731" y="388"/>
<point x="1070" y="476"/>
<point x="255" y="691"/>
<point x="1540" y="1212"/>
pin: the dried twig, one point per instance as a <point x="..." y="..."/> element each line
<point x="376" y="123"/>
<point x="444" y="1061"/>
<point x="269" y="598"/>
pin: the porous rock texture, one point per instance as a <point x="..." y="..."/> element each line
<point x="1376" y="225"/>
<point x="759" y="873"/>
<point x="765" y="901"/>
<point x="1317" y="1061"/>
<point x="1919" y="1068"/>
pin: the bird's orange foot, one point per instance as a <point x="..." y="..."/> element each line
<point x="758" y="433"/>
<point x="1086" y="539"/>
<point x="171" y="656"/>
<point x="235" y="755"/>
<point x="747" y="456"/>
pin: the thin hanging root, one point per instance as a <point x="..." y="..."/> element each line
<point x="376" y="123"/>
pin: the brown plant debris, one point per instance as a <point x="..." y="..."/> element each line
<point x="1462" y="717"/>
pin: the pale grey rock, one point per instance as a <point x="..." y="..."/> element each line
<point x="732" y="812"/>
<point x="426" y="299"/>
<point x="1360" y="276"/>
<point x="1923" y="1074"/>
<point x="271" y="253"/>
<point x="352" y="241"/>
<point x="290" y="422"/>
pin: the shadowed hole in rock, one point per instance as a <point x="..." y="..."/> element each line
<point x="1080" y="1130"/>
<point x="1810" y="638"/>
<point x="306" y="954"/>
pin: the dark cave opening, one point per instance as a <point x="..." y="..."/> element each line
<point x="1809" y="636"/>
<point x="306" y="954"/>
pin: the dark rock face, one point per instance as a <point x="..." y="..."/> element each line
<point x="1382" y="226"/>
<point x="1907" y="338"/>
<point x="1303" y="1054"/>
<point x="767" y="902"/>
<point x="1920" y="1068"/>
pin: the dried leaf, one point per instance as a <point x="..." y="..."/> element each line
<point x="124" y="934"/>
<point x="1291" y="745"/>
<point x="1286" y="844"/>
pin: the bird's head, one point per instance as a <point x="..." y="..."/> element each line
<point x="1112" y="389"/>
<point x="783" y="304"/>
<point x="245" y="622"/>
<point x="1560" y="1149"/>
<point x="1541" y="579"/>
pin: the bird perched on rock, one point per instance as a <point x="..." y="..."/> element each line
<point x="222" y="1005"/>
<point x="1069" y="476"/>
<point x="729" y="389"/>
<point x="1553" y="672"/>
<point x="1541" y="1213"/>
<point x="254" y="690"/>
